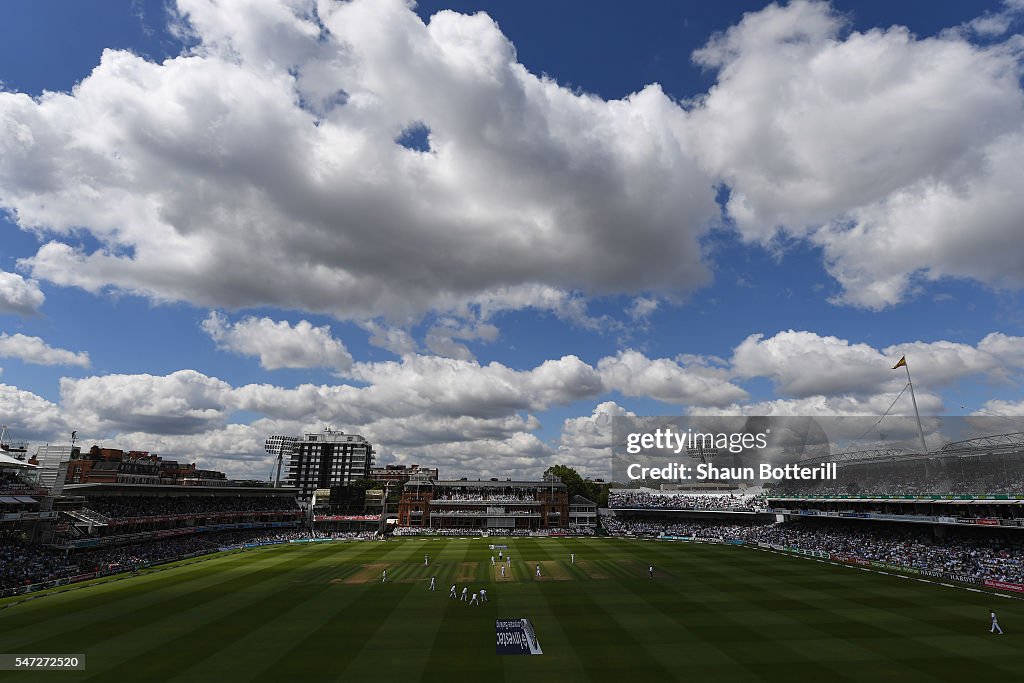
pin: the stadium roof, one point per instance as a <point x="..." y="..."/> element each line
<point x="169" y="488"/>
<point x="1012" y="442"/>
<point x="8" y="461"/>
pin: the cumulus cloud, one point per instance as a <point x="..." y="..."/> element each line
<point x="30" y="416"/>
<point x="805" y="365"/>
<point x="529" y="183"/>
<point x="279" y="344"/>
<point x="441" y="338"/>
<point x="182" y="402"/>
<point x="898" y="155"/>
<point x="586" y="441"/>
<point x="18" y="295"/>
<point x="34" y="350"/>
<point x="469" y="417"/>
<point x="633" y="374"/>
<point x="394" y="339"/>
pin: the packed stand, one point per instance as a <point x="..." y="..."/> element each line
<point x="22" y="564"/>
<point x="951" y="475"/>
<point x="127" y="507"/>
<point x="712" y="502"/>
<point x="427" y="531"/>
<point x="978" y="555"/>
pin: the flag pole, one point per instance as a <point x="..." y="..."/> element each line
<point x="920" y="430"/>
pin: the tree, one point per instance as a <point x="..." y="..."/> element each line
<point x="578" y="486"/>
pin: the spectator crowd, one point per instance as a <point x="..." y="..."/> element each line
<point x="650" y="499"/>
<point x="975" y="553"/>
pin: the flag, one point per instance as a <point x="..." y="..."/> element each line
<point x="73" y="435"/>
<point x="903" y="362"/>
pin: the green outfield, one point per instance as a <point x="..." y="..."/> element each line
<point x="319" y="612"/>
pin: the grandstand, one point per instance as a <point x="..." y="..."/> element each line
<point x="977" y="482"/>
<point x="484" y="505"/>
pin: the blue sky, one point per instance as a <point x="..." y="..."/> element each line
<point x="215" y="233"/>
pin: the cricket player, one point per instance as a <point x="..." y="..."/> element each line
<point x="508" y="560"/>
<point x="465" y="589"/>
<point x="538" y="569"/>
<point x="572" y="558"/>
<point x="499" y="554"/>
<point x="503" y="571"/>
<point x="483" y="595"/>
<point x="433" y="583"/>
<point x="650" y="571"/>
<point x="492" y="560"/>
<point x="426" y="560"/>
<point x="474" y="601"/>
<point x="453" y="594"/>
<point x="995" y="623"/>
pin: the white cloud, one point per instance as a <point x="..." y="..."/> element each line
<point x="829" y="406"/>
<point x="393" y="339"/>
<point x="898" y="155"/>
<point x="34" y="350"/>
<point x="633" y="374"/>
<point x="527" y="184"/>
<point x="441" y="338"/>
<point x="586" y="441"/>
<point x="485" y="419"/>
<point x="18" y="295"/>
<point x="642" y="307"/>
<point x="992" y="24"/>
<point x="279" y="344"/>
<point x="806" y="365"/>
<point x="29" y="416"/>
<point x="183" y="402"/>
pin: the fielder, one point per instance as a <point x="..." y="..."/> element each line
<point x="483" y="595"/>
<point x="503" y="571"/>
<point x="465" y="589"/>
<point x="538" y="570"/>
<point x="433" y="586"/>
<point x="384" y="576"/>
<point x="474" y="601"/>
<point x="426" y="560"/>
<point x="453" y="594"/>
<point x="995" y="623"/>
<point x="572" y="558"/>
<point x="650" y="571"/>
<point x="492" y="560"/>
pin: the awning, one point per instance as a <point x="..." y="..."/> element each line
<point x="7" y="500"/>
<point x="26" y="499"/>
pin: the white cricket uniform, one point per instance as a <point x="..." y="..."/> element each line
<point x="432" y="586"/>
<point x="503" y="571"/>
<point x="384" y="576"/>
<point x="483" y="595"/>
<point x="453" y="594"/>
<point x="538" y="570"/>
<point x="464" y="591"/>
<point x="474" y="601"/>
<point x="995" y="624"/>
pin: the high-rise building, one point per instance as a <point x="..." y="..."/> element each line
<point x="326" y="459"/>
